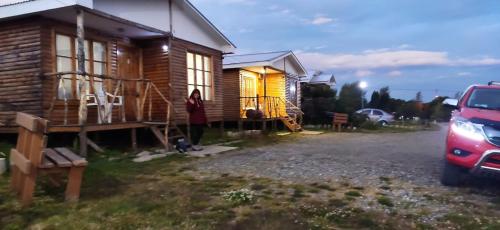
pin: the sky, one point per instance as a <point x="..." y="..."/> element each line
<point x="438" y="47"/>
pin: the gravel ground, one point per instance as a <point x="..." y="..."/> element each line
<point x="414" y="157"/>
<point x="404" y="167"/>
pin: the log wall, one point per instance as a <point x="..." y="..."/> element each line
<point x="232" y="92"/>
<point x="20" y="63"/>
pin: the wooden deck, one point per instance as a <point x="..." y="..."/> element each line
<point x="88" y="127"/>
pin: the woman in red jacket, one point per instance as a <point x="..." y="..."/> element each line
<point x="197" y="118"/>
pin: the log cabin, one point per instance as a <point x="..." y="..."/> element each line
<point x="98" y="65"/>
<point x="263" y="87"/>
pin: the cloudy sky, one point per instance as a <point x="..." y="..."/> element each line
<point x="438" y="47"/>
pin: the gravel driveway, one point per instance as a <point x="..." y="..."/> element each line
<point x="415" y="157"/>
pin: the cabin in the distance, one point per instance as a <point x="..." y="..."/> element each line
<point x="96" y="65"/>
<point x="263" y="87"/>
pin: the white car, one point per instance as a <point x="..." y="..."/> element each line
<point x="377" y="115"/>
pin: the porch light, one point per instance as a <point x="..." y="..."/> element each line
<point x="164" y="48"/>
<point x="293" y="88"/>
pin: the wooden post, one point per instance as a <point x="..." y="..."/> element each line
<point x="83" y="141"/>
<point x="265" y="91"/>
<point x="133" y="135"/>
<point x="82" y="112"/>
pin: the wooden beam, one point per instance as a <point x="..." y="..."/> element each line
<point x="80" y="32"/>
<point x="18" y="159"/>
<point x="94" y="146"/>
<point x="133" y="136"/>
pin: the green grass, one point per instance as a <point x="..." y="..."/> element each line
<point x="386" y="201"/>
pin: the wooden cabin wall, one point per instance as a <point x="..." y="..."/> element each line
<point x="156" y="67"/>
<point x="231" y="94"/>
<point x="178" y="50"/>
<point x="20" y="63"/>
<point x="275" y="87"/>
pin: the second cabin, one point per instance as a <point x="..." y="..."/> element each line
<point x="263" y="87"/>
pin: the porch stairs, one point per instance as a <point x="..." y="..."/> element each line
<point x="167" y="134"/>
<point x="293" y="118"/>
<point x="291" y="123"/>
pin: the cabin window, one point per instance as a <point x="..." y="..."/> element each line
<point x="199" y="75"/>
<point x="66" y="58"/>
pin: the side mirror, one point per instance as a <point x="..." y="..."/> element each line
<point x="451" y="102"/>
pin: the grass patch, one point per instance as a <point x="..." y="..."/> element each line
<point x="353" y="194"/>
<point x="386" y="201"/>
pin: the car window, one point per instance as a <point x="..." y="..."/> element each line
<point x="485" y="99"/>
<point x="377" y="112"/>
<point x="366" y="112"/>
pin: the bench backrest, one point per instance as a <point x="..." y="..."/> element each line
<point x="30" y="142"/>
<point x="340" y="118"/>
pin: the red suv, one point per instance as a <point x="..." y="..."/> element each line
<point x="473" y="141"/>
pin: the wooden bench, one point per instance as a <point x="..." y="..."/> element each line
<point x="339" y="119"/>
<point x="31" y="158"/>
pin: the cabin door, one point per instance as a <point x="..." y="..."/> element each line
<point x="128" y="68"/>
<point x="249" y="92"/>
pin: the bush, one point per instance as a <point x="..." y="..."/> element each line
<point x="370" y="125"/>
<point x="241" y="196"/>
<point x="357" y="119"/>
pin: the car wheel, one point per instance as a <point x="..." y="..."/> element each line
<point x="452" y="175"/>
<point x="383" y="123"/>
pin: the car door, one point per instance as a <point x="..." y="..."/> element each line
<point x="376" y="115"/>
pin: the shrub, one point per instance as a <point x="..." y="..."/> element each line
<point x="357" y="119"/>
<point x="241" y="196"/>
<point x="370" y="125"/>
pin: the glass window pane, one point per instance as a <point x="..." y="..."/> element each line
<point x="199" y="62"/>
<point x="191" y="78"/>
<point x="199" y="77"/>
<point x="207" y="63"/>
<point x="190" y="60"/>
<point x="63" y="64"/>
<point x="99" y="68"/>
<point x="190" y="89"/>
<point x="63" y="45"/>
<point x="208" y="93"/>
<point x="208" y="79"/>
<point x="99" y="51"/>
<point x="65" y="90"/>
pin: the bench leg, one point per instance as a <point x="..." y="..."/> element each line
<point x="74" y="183"/>
<point x="15" y="180"/>
<point x="28" y="188"/>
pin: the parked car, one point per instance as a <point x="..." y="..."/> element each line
<point x="473" y="141"/>
<point x="377" y="115"/>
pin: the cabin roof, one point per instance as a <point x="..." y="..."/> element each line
<point x="321" y="78"/>
<point x="132" y="13"/>
<point x="269" y="59"/>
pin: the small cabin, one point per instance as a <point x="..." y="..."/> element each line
<point x="96" y="65"/>
<point x="263" y="87"/>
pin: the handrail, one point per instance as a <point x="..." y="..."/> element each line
<point x="146" y="86"/>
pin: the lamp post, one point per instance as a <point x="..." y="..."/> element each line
<point x="362" y="85"/>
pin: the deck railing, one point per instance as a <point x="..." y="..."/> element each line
<point x="271" y="106"/>
<point x="97" y="95"/>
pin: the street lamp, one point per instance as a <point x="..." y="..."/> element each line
<point x="362" y="85"/>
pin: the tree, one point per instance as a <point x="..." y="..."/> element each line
<point x="385" y="98"/>
<point x="375" y="100"/>
<point x="317" y="100"/>
<point x="349" y="98"/>
<point x="418" y="97"/>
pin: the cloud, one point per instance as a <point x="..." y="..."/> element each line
<point x="395" y="73"/>
<point x="384" y="58"/>
<point x="363" y="73"/>
<point x="321" y="20"/>
<point x="464" y="74"/>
